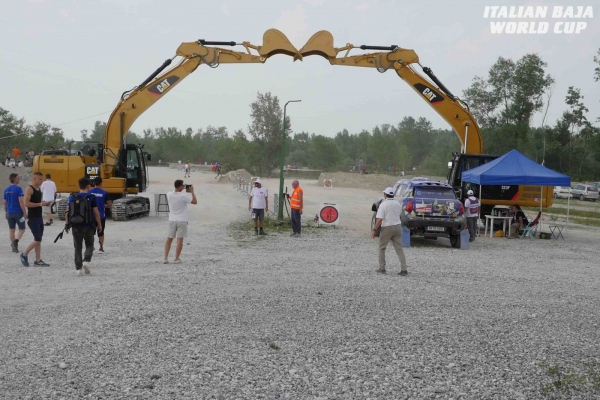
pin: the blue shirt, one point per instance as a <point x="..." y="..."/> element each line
<point x="92" y="200"/>
<point x="11" y="195"/>
<point x="101" y="196"/>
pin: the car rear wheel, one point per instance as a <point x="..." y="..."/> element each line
<point x="582" y="197"/>
<point x="455" y="241"/>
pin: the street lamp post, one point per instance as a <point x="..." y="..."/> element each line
<point x="280" y="210"/>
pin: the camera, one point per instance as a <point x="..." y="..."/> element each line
<point x="188" y="188"/>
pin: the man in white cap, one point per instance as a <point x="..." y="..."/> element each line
<point x="472" y="214"/>
<point x="388" y="218"/>
<point x="258" y="203"/>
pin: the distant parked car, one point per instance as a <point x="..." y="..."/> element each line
<point x="596" y="185"/>
<point x="585" y="192"/>
<point x="429" y="209"/>
<point x="562" y="192"/>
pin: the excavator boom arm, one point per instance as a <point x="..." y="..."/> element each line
<point x="449" y="107"/>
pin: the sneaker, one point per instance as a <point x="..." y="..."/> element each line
<point x="293" y="234"/>
<point x="79" y="272"/>
<point x="298" y="235"/>
<point x="101" y="250"/>
<point x="41" y="263"/>
<point x="381" y="270"/>
<point x="48" y="224"/>
<point x="262" y="233"/>
<point x="15" y="247"/>
<point x="403" y="273"/>
<point x="86" y="268"/>
<point x="165" y="261"/>
<point x="178" y="261"/>
<point x="24" y="260"/>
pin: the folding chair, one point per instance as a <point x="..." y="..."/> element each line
<point x="531" y="227"/>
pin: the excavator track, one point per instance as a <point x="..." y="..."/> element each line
<point x="127" y="208"/>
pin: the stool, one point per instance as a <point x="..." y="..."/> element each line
<point x="162" y="204"/>
<point x="556" y="231"/>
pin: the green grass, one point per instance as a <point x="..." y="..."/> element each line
<point x="580" y="217"/>
<point x="564" y="383"/>
<point x="270" y="225"/>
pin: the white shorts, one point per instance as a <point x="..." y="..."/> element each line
<point x="46" y="209"/>
<point x="177" y="229"/>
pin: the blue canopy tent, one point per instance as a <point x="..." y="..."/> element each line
<point x="513" y="168"/>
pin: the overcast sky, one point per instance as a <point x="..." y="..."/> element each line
<point x="68" y="60"/>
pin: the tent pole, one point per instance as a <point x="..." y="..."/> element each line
<point x="541" y="198"/>
<point x="568" y="206"/>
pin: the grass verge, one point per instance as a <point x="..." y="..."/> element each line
<point x="584" y="381"/>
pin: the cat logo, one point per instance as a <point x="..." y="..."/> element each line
<point x="92" y="171"/>
<point x="430" y="94"/>
<point x="162" y="86"/>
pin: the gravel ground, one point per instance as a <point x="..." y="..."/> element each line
<point x="277" y="317"/>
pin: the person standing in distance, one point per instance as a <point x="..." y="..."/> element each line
<point x="83" y="231"/>
<point x="296" y="206"/>
<point x="14" y="207"/>
<point x="388" y="218"/>
<point x="259" y="204"/>
<point x="188" y="167"/>
<point x="102" y="200"/>
<point x="472" y="213"/>
<point x="48" y="195"/>
<point x="35" y="220"/>
<point x="178" y="218"/>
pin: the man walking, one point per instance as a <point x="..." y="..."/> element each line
<point x="178" y="218"/>
<point x="259" y="204"/>
<point x="48" y="195"/>
<point x="35" y="220"/>
<point x="388" y="218"/>
<point x="296" y="206"/>
<point x="188" y="167"/>
<point x="81" y="216"/>
<point x="16" y="213"/>
<point x="102" y="201"/>
<point x="472" y="213"/>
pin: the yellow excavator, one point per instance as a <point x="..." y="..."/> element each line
<point x="123" y="166"/>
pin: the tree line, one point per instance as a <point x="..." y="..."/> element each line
<point x="503" y="103"/>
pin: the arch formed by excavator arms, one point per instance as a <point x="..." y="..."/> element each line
<point x="137" y="100"/>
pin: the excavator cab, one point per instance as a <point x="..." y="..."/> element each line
<point x="132" y="167"/>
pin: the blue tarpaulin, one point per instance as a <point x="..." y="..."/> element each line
<point x="513" y="168"/>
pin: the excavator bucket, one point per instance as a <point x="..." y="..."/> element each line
<point x="321" y="43"/>
<point x="275" y="42"/>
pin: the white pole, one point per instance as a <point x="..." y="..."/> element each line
<point x="568" y="206"/>
<point x="541" y="198"/>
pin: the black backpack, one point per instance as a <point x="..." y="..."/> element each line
<point x="80" y="210"/>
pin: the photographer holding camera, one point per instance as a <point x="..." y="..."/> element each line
<point x="178" y="219"/>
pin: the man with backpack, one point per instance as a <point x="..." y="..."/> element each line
<point x="84" y="218"/>
<point x="102" y="199"/>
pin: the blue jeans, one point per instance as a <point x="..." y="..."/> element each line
<point x="296" y="221"/>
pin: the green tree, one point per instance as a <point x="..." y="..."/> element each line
<point x="506" y="101"/>
<point x="266" y="129"/>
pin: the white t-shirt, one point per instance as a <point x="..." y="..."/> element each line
<point x="472" y="207"/>
<point x="389" y="211"/>
<point x="48" y="190"/>
<point x="259" y="196"/>
<point x="178" y="202"/>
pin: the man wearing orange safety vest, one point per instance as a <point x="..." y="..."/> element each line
<point x="296" y="204"/>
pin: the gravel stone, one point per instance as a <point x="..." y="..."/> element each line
<point x="490" y="322"/>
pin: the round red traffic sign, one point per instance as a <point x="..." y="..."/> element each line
<point x="329" y="214"/>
